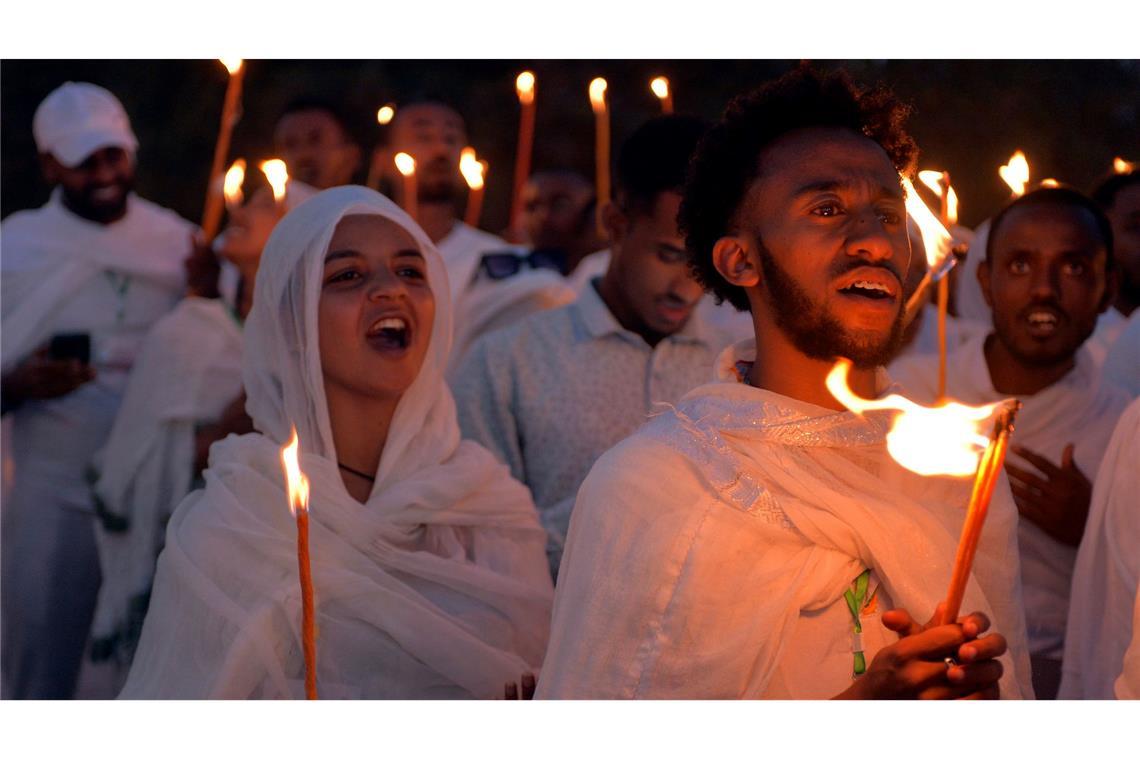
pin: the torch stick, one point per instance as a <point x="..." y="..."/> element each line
<point x="984" y="481"/>
<point x="918" y="297"/>
<point x="212" y="216"/>
<point x="298" y="491"/>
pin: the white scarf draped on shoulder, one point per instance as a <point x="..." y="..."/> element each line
<point x="435" y="587"/>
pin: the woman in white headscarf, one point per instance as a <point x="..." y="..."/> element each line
<point x="428" y="559"/>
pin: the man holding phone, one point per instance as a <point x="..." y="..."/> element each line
<point x="84" y="277"/>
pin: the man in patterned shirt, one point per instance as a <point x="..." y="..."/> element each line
<point x="552" y="393"/>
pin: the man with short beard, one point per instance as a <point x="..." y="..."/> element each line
<point x="1047" y="276"/>
<point x="752" y="541"/>
<point x="93" y="268"/>
<point x="434" y="134"/>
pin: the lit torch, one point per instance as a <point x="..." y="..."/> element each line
<point x="943" y="440"/>
<point x="235" y="177"/>
<point x="939" y="182"/>
<point x="660" y="88"/>
<point x="525" y="88"/>
<point x="298" y="490"/>
<point x="474" y="173"/>
<point x="277" y="175"/>
<point x="406" y="165"/>
<point x="601" y="144"/>
<point x="1015" y="173"/>
<point x="212" y="215"/>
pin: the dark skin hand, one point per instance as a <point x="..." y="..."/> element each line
<point x="41" y="377"/>
<point x="202" y="270"/>
<point x="528" y="685"/>
<point x="915" y="668"/>
<point x="233" y="420"/>
<point x="1055" y="499"/>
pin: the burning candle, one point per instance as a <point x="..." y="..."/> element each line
<point x="298" y="490"/>
<point x="525" y="89"/>
<point x="601" y="144"/>
<point x="940" y="183"/>
<point x="235" y="177"/>
<point x="1015" y="173"/>
<point x="660" y="88"/>
<point x="943" y="440"/>
<point x="941" y="255"/>
<point x="474" y="173"/>
<point x="1120" y="166"/>
<point x="406" y="165"/>
<point x="384" y="116"/>
<point x="212" y="215"/>
<point x="278" y="176"/>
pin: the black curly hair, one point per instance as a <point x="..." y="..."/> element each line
<point x="727" y="160"/>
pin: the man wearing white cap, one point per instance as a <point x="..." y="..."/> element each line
<point x="84" y="276"/>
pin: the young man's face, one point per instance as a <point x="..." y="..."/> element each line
<point x="1045" y="281"/>
<point x="435" y="136"/>
<point x="828" y="222"/>
<point x="556" y="209"/>
<point x="315" y="149"/>
<point x="97" y="188"/>
<point x="652" y="270"/>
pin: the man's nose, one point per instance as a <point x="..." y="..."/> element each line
<point x="1044" y="284"/>
<point x="869" y="238"/>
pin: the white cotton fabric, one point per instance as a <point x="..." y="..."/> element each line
<point x="435" y="587"/>
<point x="703" y="545"/>
<point x="1076" y="409"/>
<point x="1128" y="683"/>
<point x="1107" y="571"/>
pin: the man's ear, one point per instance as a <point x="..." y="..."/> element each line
<point x="615" y="222"/>
<point x="984" y="281"/>
<point x="736" y="262"/>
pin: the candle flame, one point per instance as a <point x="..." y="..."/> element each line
<point x="933" y="180"/>
<point x="1050" y="182"/>
<point x="385" y="114"/>
<point x="524" y="86"/>
<point x="278" y="175"/>
<point x="598" y="94"/>
<point x="935" y="239"/>
<point x="233" y="65"/>
<point x="939" y="440"/>
<point x="405" y="164"/>
<point x="951" y="206"/>
<point x="1120" y="166"/>
<point x="471" y="168"/>
<point x="296" y="482"/>
<point x="1016" y="173"/>
<point x="660" y="87"/>
<point x="231" y="187"/>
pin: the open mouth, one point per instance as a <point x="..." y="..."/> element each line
<point x="876" y="291"/>
<point x="1042" y="322"/>
<point x="390" y="333"/>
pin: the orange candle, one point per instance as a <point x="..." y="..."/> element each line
<point x="212" y="215"/>
<point x="601" y="144"/>
<point x="278" y="177"/>
<point x="660" y="88"/>
<point x="525" y="88"/>
<point x="298" y="490"/>
<point x="406" y="165"/>
<point x="384" y="116"/>
<point x="474" y="173"/>
<point x="235" y="177"/>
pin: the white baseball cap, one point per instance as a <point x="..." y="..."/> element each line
<point x="79" y="118"/>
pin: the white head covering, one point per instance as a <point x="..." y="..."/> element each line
<point x="79" y="118"/>
<point x="436" y="586"/>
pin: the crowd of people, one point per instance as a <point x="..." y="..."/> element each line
<point x="591" y="457"/>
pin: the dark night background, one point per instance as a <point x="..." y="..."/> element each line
<point x="1070" y="117"/>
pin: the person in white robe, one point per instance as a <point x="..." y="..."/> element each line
<point x="750" y="542"/>
<point x="1036" y="352"/>
<point x="429" y="575"/>
<point x="1127" y="684"/>
<point x="1122" y="366"/>
<point x="94" y="267"/>
<point x="1107" y="571"/>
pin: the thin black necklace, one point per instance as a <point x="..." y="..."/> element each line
<point x="357" y="473"/>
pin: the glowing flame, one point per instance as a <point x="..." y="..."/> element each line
<point x="939" y="440"/>
<point x="297" y="483"/>
<point x="1050" y="182"/>
<point x="1120" y="166"/>
<point x="233" y="65"/>
<point x="471" y="168"/>
<point x="278" y="176"/>
<point x="935" y="238"/>
<point x="231" y="187"/>
<point x="660" y="87"/>
<point x="405" y="164"/>
<point x="598" y="94"/>
<point x="524" y="86"/>
<point x="933" y="180"/>
<point x="385" y="114"/>
<point x="1016" y="173"/>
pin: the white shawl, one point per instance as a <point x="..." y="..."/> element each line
<point x="697" y="543"/>
<point x="435" y="587"/>
<point x="50" y="253"/>
<point x="1107" y="571"/>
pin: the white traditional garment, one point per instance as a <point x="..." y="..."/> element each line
<point x="188" y="371"/>
<point x="968" y="299"/>
<point x="709" y="553"/>
<point x="1107" y="571"/>
<point x="435" y="587"/>
<point x="1076" y="409"/>
<point x="1122" y="366"/>
<point x="1128" y="683"/>
<point x="462" y="249"/>
<point x="64" y="274"/>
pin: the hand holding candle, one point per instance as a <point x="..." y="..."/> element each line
<point x="298" y="490"/>
<point x="212" y="215"/>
